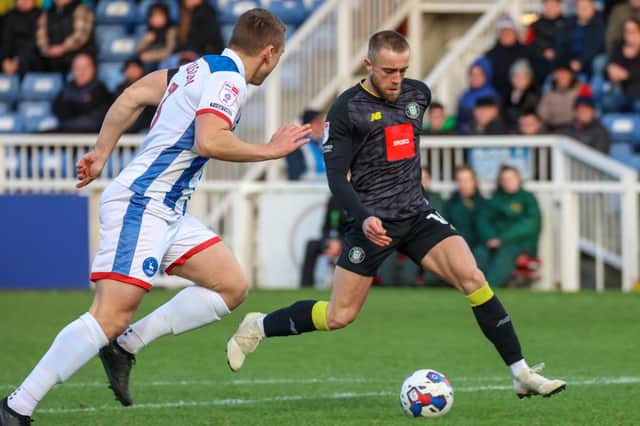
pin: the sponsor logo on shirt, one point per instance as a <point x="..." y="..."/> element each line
<point x="325" y="138"/>
<point x="375" y="116"/>
<point x="229" y="93"/>
<point x="401" y="142"/>
<point x="221" y="108"/>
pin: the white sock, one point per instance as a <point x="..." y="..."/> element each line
<point x="517" y="367"/>
<point x="192" y="308"/>
<point x="261" y="324"/>
<point x="72" y="348"/>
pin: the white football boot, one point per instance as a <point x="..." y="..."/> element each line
<point x="528" y="383"/>
<point x="244" y="341"/>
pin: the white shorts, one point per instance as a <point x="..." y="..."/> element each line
<point x="136" y="244"/>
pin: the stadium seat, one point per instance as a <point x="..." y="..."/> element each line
<point x="110" y="73"/>
<point x="623" y="127"/>
<point x="10" y="123"/>
<point x="139" y="31"/>
<point x="4" y="107"/>
<point x="312" y="5"/>
<point x="229" y="10"/>
<point x="143" y="8"/>
<point x="290" y="11"/>
<point x="9" y="88"/>
<point x="116" y="12"/>
<point x="40" y="86"/>
<point x="104" y="32"/>
<point x="43" y="123"/>
<point x="117" y="48"/>
<point x="31" y="109"/>
<point x="227" y="30"/>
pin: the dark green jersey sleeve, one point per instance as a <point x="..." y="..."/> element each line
<point x="338" y="150"/>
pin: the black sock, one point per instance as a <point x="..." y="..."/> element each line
<point x="497" y="327"/>
<point x="294" y="319"/>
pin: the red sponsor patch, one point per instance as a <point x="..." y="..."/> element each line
<point x="400" y="141"/>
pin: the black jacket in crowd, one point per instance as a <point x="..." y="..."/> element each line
<point x="82" y="109"/>
<point x="19" y="38"/>
<point x="204" y="35"/>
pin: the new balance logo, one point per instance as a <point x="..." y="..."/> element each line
<point x="503" y="321"/>
<point x="292" y="326"/>
<point x="375" y="116"/>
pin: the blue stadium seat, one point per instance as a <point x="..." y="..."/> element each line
<point x="40" y="86"/>
<point x="104" y="32"/>
<point x="10" y="123"/>
<point x="43" y="123"/>
<point x="117" y="48"/>
<point x="4" y="107"/>
<point x="290" y="11"/>
<point x="599" y="64"/>
<point x="139" y="31"/>
<point x="9" y="88"/>
<point x="32" y="109"/>
<point x="116" y="12"/>
<point x="229" y="10"/>
<point x="620" y="151"/>
<point x="227" y="30"/>
<point x="623" y="127"/>
<point x="110" y="73"/>
<point x="312" y="5"/>
<point x="174" y="10"/>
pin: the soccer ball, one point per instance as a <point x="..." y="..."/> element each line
<point x="426" y="393"/>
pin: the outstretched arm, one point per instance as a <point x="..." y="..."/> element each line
<point x="123" y="113"/>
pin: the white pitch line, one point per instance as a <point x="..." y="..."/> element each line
<point x="313" y="380"/>
<point x="339" y="395"/>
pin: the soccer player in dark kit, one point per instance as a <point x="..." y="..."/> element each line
<point x="372" y="130"/>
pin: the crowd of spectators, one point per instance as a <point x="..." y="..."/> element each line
<point x="60" y="36"/>
<point x="561" y="74"/>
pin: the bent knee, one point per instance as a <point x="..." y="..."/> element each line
<point x="340" y="319"/>
<point x="471" y="280"/>
<point x="112" y="324"/>
<point x="234" y="291"/>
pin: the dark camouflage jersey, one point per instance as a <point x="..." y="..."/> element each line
<point x="379" y="142"/>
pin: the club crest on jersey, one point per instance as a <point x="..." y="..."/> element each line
<point x="325" y="138"/>
<point x="412" y="110"/>
<point x="150" y="266"/>
<point x="229" y="93"/>
<point x="356" y="255"/>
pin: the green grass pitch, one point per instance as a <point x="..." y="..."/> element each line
<point x="352" y="376"/>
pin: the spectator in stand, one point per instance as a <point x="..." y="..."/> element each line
<point x="133" y="70"/>
<point x="83" y="102"/>
<point x="486" y="119"/>
<point x="159" y="42"/>
<point x="624" y="71"/>
<point x="464" y="204"/>
<point x="556" y="106"/>
<point x="480" y="76"/>
<point x="435" y="198"/>
<point x="504" y="53"/>
<point x="542" y="35"/>
<point x="531" y="124"/>
<point x="199" y="30"/>
<point x="509" y="225"/>
<point x="587" y="127"/>
<point x="63" y="31"/>
<point x="330" y="245"/>
<point x="583" y="38"/>
<point x="437" y="121"/>
<point x="523" y="95"/>
<point x="307" y="162"/>
<point x="19" y="51"/>
<point x="615" y="24"/>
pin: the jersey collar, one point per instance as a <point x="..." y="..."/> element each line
<point x="366" y="89"/>
<point x="234" y="56"/>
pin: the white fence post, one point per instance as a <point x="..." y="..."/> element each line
<point x="272" y="114"/>
<point x="569" y="225"/>
<point x="344" y="45"/>
<point x="546" y="246"/>
<point x="415" y="39"/>
<point x="629" y="232"/>
<point x="241" y="230"/>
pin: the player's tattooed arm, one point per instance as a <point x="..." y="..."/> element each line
<point x="215" y="139"/>
<point x="123" y="113"/>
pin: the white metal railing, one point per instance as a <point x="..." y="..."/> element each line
<point x="589" y="201"/>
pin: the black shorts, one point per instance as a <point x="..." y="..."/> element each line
<point x="414" y="237"/>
